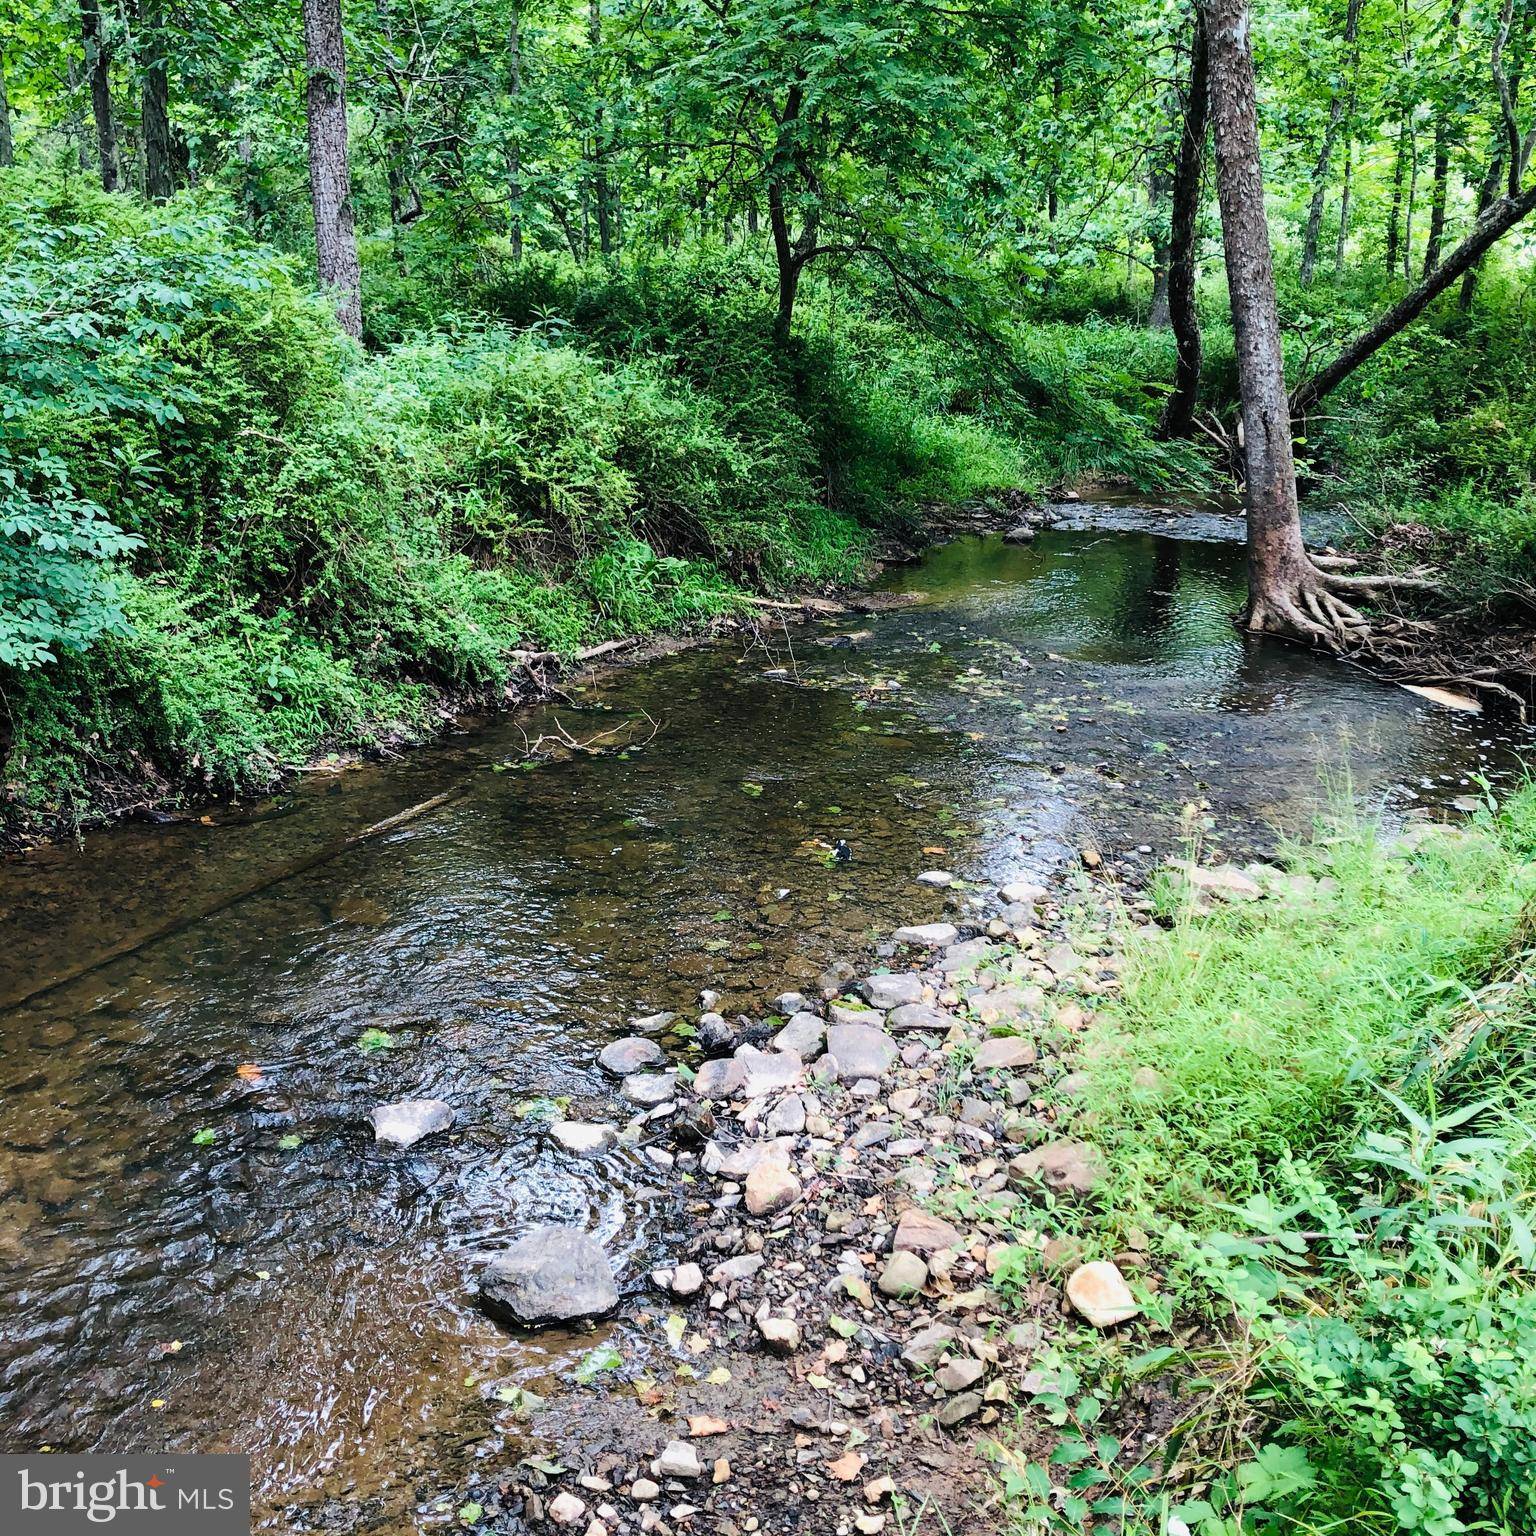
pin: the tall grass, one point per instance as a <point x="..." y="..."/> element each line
<point x="1334" y="1151"/>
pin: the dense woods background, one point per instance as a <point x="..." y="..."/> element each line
<point x="660" y="300"/>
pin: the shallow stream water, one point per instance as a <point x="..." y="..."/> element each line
<point x="200" y="1246"/>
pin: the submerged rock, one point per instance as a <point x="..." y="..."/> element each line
<point x="553" y="1275"/>
<point x="405" y="1123"/>
<point x="585" y="1137"/>
<point x="648" y="1089"/>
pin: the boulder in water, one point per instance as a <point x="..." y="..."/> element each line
<point x="553" y="1275"/>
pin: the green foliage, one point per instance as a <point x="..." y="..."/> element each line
<point x="309" y="545"/>
<point x="1337" y="1159"/>
<point x="1273" y="1018"/>
<point x="91" y="292"/>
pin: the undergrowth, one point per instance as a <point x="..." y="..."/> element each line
<point x="1317" y="1111"/>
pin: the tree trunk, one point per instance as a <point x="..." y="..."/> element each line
<point x="1183" y="257"/>
<point x="601" y="192"/>
<point x="1439" y="190"/>
<point x="1413" y="191"/>
<point x="1485" y="195"/>
<point x="790" y="255"/>
<point x="98" y="61"/>
<point x="1325" y="154"/>
<point x="1344" y="195"/>
<point x="1157" y="310"/>
<point x="515" y="150"/>
<point x="1395" y="210"/>
<point x="330" y="182"/>
<point x="1497" y="220"/>
<point x="1437" y="196"/>
<point x="1280" y="577"/>
<point x="7" y="143"/>
<point x="787" y="262"/>
<point x="155" y="104"/>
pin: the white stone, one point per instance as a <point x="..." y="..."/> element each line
<point x="1098" y="1293"/>
<point x="927" y="935"/>
<point x="405" y="1123"/>
<point x="678" y="1459"/>
<point x="583" y="1136"/>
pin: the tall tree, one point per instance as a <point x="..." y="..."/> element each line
<point x="1183" y="258"/>
<point x="330" y="179"/>
<point x="1495" y="221"/>
<point x="155" y="103"/>
<point x="1287" y="594"/>
<point x="7" y="144"/>
<point x="98" y="62"/>
<point x="1338" y="96"/>
<point x="602" y="191"/>
<point x="515" y="139"/>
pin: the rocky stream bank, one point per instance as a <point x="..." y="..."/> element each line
<point x="869" y="1289"/>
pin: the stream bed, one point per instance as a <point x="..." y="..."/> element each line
<point x="200" y="1245"/>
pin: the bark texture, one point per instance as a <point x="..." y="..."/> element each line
<point x="1183" y="264"/>
<point x="1280" y="577"/>
<point x="98" y="62"/>
<point x="330" y="186"/>
<point x="7" y="143"/>
<point x="155" y="105"/>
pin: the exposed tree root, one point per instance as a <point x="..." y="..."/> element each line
<point x="1317" y="609"/>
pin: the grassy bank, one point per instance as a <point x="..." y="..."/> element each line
<point x="1316" y="1113"/>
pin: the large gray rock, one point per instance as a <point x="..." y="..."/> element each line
<point x="719" y="1079"/>
<point x="927" y="935"/>
<point x="892" y="991"/>
<point x="405" y="1123"/>
<point x="858" y="1051"/>
<point x="968" y="954"/>
<point x="632" y="1054"/>
<point x="805" y="1034"/>
<point x="648" y="1089"/>
<point x="553" y="1275"/>
<point x="918" y="1016"/>
<point x="768" y="1071"/>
